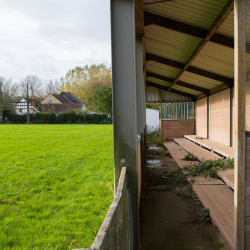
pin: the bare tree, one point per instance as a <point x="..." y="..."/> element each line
<point x="51" y="87"/>
<point x="35" y="85"/>
<point x="9" y="87"/>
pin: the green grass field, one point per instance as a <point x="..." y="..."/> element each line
<point x="56" y="185"/>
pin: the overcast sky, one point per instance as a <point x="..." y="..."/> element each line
<point x="47" y="38"/>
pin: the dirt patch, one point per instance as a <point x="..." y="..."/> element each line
<point x="169" y="213"/>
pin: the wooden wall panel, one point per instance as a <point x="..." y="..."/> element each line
<point x="177" y="128"/>
<point x="232" y="123"/>
<point x="219" y="117"/>
<point x="201" y="118"/>
<point x="247" y="194"/>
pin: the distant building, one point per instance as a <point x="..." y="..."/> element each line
<point x="34" y="106"/>
<point x="63" y="98"/>
<point x="65" y="107"/>
<point x="61" y="103"/>
<point x="53" y="98"/>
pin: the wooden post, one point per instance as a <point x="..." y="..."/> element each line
<point x="28" y="110"/>
<point x="208" y="111"/>
<point x="1" y="100"/>
<point x="240" y="12"/>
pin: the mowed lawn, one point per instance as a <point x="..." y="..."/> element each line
<point x="56" y="185"/>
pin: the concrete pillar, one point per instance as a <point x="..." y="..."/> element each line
<point x="125" y="105"/>
<point x="241" y="10"/>
<point x="140" y="88"/>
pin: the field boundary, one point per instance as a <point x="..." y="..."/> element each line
<point x="113" y="233"/>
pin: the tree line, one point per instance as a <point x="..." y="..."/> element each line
<point x="91" y="84"/>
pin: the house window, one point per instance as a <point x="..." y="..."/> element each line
<point x="20" y="110"/>
<point x="178" y="111"/>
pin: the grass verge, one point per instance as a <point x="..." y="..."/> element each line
<point x="56" y="185"/>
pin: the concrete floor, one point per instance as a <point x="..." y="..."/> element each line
<point x="169" y="222"/>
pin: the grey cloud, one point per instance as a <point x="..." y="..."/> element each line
<point x="77" y="29"/>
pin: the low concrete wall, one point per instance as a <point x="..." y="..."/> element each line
<point x="113" y="234"/>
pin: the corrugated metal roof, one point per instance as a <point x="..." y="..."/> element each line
<point x="169" y="43"/>
<point x="172" y="97"/>
<point x="162" y="69"/>
<point x="155" y="95"/>
<point x="217" y="59"/>
<point x="198" y="13"/>
<point x="158" y="81"/>
<point x="186" y="90"/>
<point x="198" y="80"/>
<point x="227" y="27"/>
<point x="178" y="47"/>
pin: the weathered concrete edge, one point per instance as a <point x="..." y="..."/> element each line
<point x="103" y="232"/>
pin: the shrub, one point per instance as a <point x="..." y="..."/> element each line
<point x="71" y="117"/>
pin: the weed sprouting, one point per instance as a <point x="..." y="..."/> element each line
<point x="190" y="157"/>
<point x="204" y="215"/>
<point x="154" y="137"/>
<point x="208" y="168"/>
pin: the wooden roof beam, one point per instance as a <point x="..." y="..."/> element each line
<point x="227" y="81"/>
<point x="158" y="86"/>
<point x="188" y="29"/>
<point x="180" y="83"/>
<point x="160" y="77"/>
<point x="211" y="32"/>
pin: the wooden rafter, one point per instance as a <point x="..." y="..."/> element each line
<point x="214" y="27"/>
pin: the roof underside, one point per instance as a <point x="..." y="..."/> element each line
<point x="189" y="47"/>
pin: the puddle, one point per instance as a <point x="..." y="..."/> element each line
<point x="154" y="147"/>
<point x="155" y="163"/>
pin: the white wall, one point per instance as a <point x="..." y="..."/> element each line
<point x="21" y="108"/>
<point x="152" y="120"/>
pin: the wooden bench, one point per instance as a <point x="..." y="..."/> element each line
<point x="213" y="193"/>
<point x="212" y="146"/>
<point x="178" y="154"/>
<point x="196" y="150"/>
<point x="220" y="200"/>
<point x="228" y="175"/>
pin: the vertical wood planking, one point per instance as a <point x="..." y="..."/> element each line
<point x="220" y="117"/>
<point x="201" y="117"/>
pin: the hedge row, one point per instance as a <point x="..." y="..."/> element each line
<point x="72" y="117"/>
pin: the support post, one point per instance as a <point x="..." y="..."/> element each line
<point x="195" y="118"/>
<point x="239" y="123"/>
<point x="123" y="41"/>
<point x="140" y="104"/>
<point x="231" y="116"/>
<point x="1" y="100"/>
<point x="28" y="108"/>
<point x="208" y="130"/>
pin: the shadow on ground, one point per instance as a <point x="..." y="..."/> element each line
<point x="168" y="210"/>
